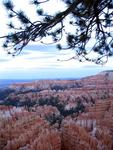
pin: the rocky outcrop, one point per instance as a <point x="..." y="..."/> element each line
<point x="92" y="130"/>
<point x="63" y="115"/>
<point x="46" y="85"/>
<point x="27" y="131"/>
<point x="95" y="85"/>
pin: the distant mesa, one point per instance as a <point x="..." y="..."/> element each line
<point x="100" y="79"/>
<point x="108" y="74"/>
<point x="106" y="71"/>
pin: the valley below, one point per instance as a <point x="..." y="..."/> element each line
<point x="58" y="114"/>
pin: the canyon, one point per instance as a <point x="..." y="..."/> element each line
<point x="58" y="114"/>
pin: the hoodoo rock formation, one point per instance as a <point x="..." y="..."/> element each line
<point x="27" y="131"/>
<point x="92" y="130"/>
<point x="59" y="115"/>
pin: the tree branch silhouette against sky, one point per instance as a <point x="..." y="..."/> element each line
<point x="84" y="26"/>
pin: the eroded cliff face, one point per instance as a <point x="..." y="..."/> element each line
<point x="92" y="130"/>
<point x="62" y="115"/>
<point x="99" y="80"/>
<point x="87" y="90"/>
<point x="27" y="131"/>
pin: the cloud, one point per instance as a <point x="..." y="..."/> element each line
<point x="24" y="53"/>
<point x="92" y="66"/>
<point x="38" y="60"/>
<point x="43" y="57"/>
<point x="4" y="60"/>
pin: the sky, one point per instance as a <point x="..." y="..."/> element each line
<point x="38" y="61"/>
